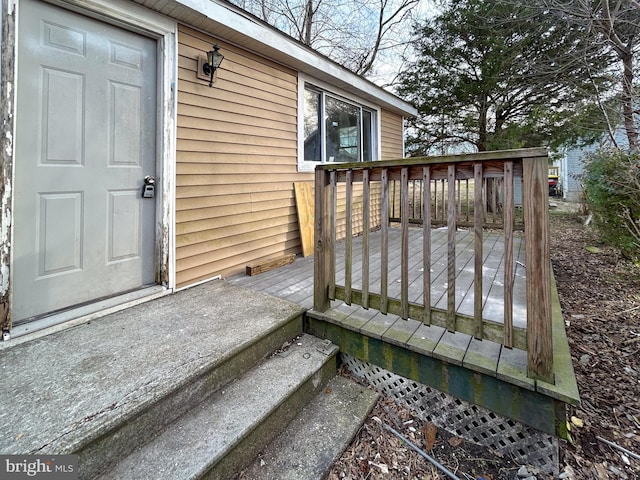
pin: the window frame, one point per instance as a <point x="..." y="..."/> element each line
<point x="332" y="92"/>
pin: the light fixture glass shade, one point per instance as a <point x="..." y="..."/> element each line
<point x="216" y="57"/>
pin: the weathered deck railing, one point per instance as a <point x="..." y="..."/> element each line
<point x="372" y="181"/>
<point x="491" y="199"/>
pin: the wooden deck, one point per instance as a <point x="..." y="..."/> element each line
<point x="295" y="283"/>
<point x="492" y="270"/>
<point x="501" y="368"/>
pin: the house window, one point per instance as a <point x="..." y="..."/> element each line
<point x="335" y="129"/>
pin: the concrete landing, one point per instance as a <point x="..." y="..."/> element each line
<point x="63" y="392"/>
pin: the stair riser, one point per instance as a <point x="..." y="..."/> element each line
<point x="116" y="443"/>
<point x="244" y="452"/>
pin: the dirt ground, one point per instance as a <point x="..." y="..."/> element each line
<point x="600" y="297"/>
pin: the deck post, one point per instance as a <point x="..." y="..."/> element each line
<point x="536" y="222"/>
<point x="331" y="214"/>
<point x="321" y="301"/>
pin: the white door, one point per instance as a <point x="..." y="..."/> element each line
<point x="85" y="140"/>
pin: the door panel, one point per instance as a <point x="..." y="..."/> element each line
<point x="60" y="233"/>
<point x="62" y="117"/>
<point x="85" y="140"/>
<point x="124" y="225"/>
<point x="126" y="125"/>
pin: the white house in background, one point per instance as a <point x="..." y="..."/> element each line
<point x="573" y="161"/>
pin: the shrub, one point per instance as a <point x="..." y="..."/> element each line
<point x="612" y="189"/>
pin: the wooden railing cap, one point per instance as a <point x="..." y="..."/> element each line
<point x="515" y="154"/>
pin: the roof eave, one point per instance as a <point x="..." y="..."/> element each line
<point x="233" y="24"/>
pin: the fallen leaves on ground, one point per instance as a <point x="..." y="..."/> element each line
<point x="600" y="297"/>
<point x="378" y="454"/>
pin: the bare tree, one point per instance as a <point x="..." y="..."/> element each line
<point x="616" y="23"/>
<point x="352" y="32"/>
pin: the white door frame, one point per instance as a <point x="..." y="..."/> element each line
<point x="138" y="19"/>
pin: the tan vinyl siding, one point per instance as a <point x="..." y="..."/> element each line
<point x="236" y="161"/>
<point x="392" y="130"/>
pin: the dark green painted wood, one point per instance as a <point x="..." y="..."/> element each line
<point x="512" y="401"/>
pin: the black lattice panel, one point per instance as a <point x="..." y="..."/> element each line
<point x="526" y="445"/>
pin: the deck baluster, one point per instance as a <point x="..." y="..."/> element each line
<point x="421" y="186"/>
<point x="384" y="252"/>
<point x="536" y="218"/>
<point x="451" y="257"/>
<point x="321" y="262"/>
<point x="435" y="200"/>
<point x="478" y="219"/>
<point x="508" y="254"/>
<point x="467" y="198"/>
<point x="404" y="252"/>
<point x="443" y="210"/>
<point x="426" y="243"/>
<point x="485" y="213"/>
<point x="494" y="200"/>
<point x="366" y="226"/>
<point x="348" y="255"/>
<point x="443" y="201"/>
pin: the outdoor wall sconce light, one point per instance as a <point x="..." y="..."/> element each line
<point x="214" y="59"/>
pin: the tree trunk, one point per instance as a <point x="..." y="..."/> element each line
<point x="628" y="100"/>
<point x="482" y="125"/>
<point x="308" y="22"/>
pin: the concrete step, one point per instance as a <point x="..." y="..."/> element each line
<point x="316" y="438"/>
<point x="102" y="389"/>
<point x="221" y="435"/>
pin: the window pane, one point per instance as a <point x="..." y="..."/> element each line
<point x="312" y="118"/>
<point x="367" y="131"/>
<point x="342" y="131"/>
